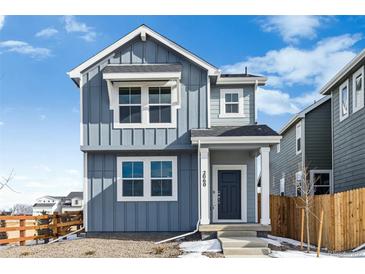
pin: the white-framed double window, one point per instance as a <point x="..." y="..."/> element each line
<point x="322" y="181"/>
<point x="358" y="90"/>
<point x="144" y="104"/>
<point x="152" y="178"/>
<point x="231" y="103"/>
<point x="298" y="138"/>
<point x="344" y="100"/>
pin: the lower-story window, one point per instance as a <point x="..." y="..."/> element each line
<point x="151" y="178"/>
<point x="321" y="180"/>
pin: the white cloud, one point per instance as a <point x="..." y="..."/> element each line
<point x="2" y="21"/>
<point x="293" y="28"/>
<point x="24" y="48"/>
<point x="46" y="33"/>
<point x="43" y="167"/>
<point x="72" y="25"/>
<point x="295" y="66"/>
<point x="42" y="117"/>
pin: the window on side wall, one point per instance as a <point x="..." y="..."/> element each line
<point x="231" y="103"/>
<point x="344" y="100"/>
<point x="321" y="182"/>
<point x="151" y="178"/>
<point x="298" y="182"/>
<point x="282" y="186"/>
<point x="278" y="148"/>
<point x="298" y="138"/>
<point x="358" y="90"/>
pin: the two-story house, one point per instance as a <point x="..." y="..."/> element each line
<point x="305" y="147"/>
<point x="169" y="142"/>
<point x="348" y="124"/>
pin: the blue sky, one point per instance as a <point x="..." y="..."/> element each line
<point x="39" y="104"/>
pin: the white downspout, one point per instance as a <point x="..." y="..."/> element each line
<point x="199" y="207"/>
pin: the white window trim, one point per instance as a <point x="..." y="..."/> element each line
<point x="147" y="179"/>
<point x="243" y="169"/>
<point x="222" y="108"/>
<point x="278" y="148"/>
<point x="345" y="84"/>
<point x="113" y="90"/>
<point x="297" y="136"/>
<point x="282" y="186"/>
<point x="321" y="171"/>
<point x="298" y="179"/>
<point x="355" y="75"/>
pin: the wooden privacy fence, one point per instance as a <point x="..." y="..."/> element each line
<point x="26" y="228"/>
<point x="343" y="223"/>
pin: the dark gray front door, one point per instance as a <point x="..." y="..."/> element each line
<point x="229" y="194"/>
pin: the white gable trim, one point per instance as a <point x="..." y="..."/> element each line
<point x="142" y="30"/>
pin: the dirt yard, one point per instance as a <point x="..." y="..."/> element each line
<point x="125" y="246"/>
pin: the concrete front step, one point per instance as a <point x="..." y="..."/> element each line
<point x="243" y="242"/>
<point x="236" y="233"/>
<point x="246" y="251"/>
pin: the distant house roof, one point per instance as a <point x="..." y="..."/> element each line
<point x="142" y="68"/>
<point x="301" y="114"/>
<point x="75" y="194"/>
<point x="43" y="204"/>
<point x="225" y="131"/>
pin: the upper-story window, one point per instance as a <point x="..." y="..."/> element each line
<point x="130" y="109"/>
<point x="231" y="103"/>
<point x="298" y="138"/>
<point x="144" y="104"/>
<point x="160" y="104"/>
<point x="358" y="90"/>
<point x="344" y="100"/>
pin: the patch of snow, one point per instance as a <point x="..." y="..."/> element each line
<point x="298" y="254"/>
<point x="201" y="246"/>
<point x="272" y="241"/>
<point x="359" y="247"/>
<point x="192" y="255"/>
<point x="287" y="240"/>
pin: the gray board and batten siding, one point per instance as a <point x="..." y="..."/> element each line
<point x="348" y="141"/>
<point x="106" y="214"/>
<point x="98" y="131"/>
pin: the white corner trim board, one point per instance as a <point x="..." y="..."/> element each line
<point x="147" y="179"/>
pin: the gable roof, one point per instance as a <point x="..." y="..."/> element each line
<point x="326" y="89"/>
<point x="75" y="194"/>
<point x="142" y="31"/>
<point x="301" y="114"/>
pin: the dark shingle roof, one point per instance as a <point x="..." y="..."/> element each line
<point x="251" y="130"/>
<point x="227" y="75"/>
<point x="143" y="68"/>
<point x="43" y="204"/>
<point x="75" y="194"/>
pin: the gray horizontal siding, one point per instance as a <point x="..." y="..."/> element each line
<point x="348" y="144"/>
<point x="248" y="106"/>
<point x="98" y="131"/>
<point x="221" y="157"/>
<point x="318" y="140"/>
<point x="106" y="214"/>
<point x="285" y="164"/>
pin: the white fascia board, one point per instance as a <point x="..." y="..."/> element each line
<point x="142" y="76"/>
<point x="346" y="69"/>
<point x="142" y="30"/>
<point x="237" y="140"/>
<point x="241" y="80"/>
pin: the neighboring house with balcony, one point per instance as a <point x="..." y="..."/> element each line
<point x="348" y="124"/>
<point x="305" y="147"/>
<point x="169" y="142"/>
<point x="73" y="202"/>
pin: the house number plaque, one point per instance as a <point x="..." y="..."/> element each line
<point x="204" y="177"/>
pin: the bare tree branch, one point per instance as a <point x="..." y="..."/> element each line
<point x="7" y="180"/>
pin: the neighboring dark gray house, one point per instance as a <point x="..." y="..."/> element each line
<point x="348" y="125"/>
<point x="306" y="145"/>
<point x="169" y="142"/>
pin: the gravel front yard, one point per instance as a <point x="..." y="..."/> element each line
<point x="125" y="246"/>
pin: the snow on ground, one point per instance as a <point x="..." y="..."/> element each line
<point x="196" y="248"/>
<point x="358" y="252"/>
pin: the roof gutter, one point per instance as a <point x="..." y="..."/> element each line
<point x="236" y="140"/>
